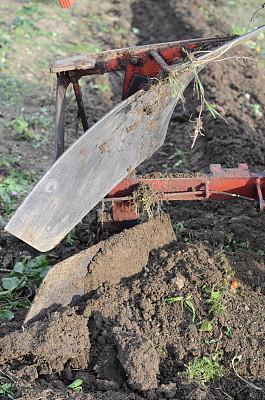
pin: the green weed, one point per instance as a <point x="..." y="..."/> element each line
<point x="230" y="244"/>
<point x="183" y="300"/>
<point x="69" y="238"/>
<point x="24" y="128"/>
<point x="199" y="89"/>
<point x="228" y="331"/>
<point x="6" y="389"/>
<point x="206" y="326"/>
<point x="7" y="160"/>
<point x="256" y="110"/>
<point x="204" y="370"/>
<point x="31" y="9"/>
<point x="209" y="342"/>
<point x="100" y="88"/>
<point x="178" y="153"/>
<point x="176" y="88"/>
<point x="215" y="299"/>
<point x="161" y="350"/>
<point x="13" y="91"/>
<point x="179" y="227"/>
<point x="211" y="107"/>
<point x="13" y="287"/>
<point x="14" y="187"/>
<point x="146" y="203"/>
<point x="76" y="385"/>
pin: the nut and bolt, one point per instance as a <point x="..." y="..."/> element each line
<point x="135" y="60"/>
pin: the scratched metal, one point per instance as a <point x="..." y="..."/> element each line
<point x="98" y="161"/>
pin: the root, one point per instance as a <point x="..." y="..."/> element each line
<point x="146" y="197"/>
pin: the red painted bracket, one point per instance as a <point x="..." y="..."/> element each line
<point x="219" y="184"/>
<point x="139" y="60"/>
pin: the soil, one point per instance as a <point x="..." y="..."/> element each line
<point x="122" y="339"/>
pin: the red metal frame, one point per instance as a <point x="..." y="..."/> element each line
<point x="139" y="60"/>
<point x="219" y="184"/>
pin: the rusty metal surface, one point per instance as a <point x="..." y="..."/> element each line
<point x="63" y="82"/>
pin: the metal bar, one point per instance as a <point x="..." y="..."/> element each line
<point x="63" y="82"/>
<point x="80" y="103"/>
<point x="219" y="184"/>
<point x="160" y="61"/>
<point x="197" y="195"/>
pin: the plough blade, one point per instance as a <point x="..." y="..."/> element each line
<point x="94" y="165"/>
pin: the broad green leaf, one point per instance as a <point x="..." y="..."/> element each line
<point x="18" y="268"/>
<point x="6" y="315"/>
<point x="44" y="270"/>
<point x="10" y="283"/>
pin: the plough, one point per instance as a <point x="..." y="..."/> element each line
<point x="100" y="165"/>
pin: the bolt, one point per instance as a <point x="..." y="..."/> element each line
<point x="72" y="74"/>
<point x="135" y="60"/>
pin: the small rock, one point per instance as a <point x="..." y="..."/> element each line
<point x="179" y="281"/>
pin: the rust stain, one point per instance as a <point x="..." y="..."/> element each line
<point x="153" y="124"/>
<point x="83" y="150"/>
<point x="133" y="127"/>
<point x="104" y="147"/>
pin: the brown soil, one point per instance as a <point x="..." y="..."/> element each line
<point x="121" y="339"/>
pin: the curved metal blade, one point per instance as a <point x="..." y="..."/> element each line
<point x="94" y="165"/>
<point x="99" y="160"/>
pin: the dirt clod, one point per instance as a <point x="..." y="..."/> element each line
<point x="138" y="358"/>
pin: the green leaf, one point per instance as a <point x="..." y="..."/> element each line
<point x="6" y="315"/>
<point x="10" y="283"/>
<point x="19" y="268"/>
<point x="215" y="295"/>
<point x="76" y="385"/>
<point x="44" y="270"/>
<point x="206" y="326"/>
<point x="190" y="305"/>
<point x="172" y="300"/>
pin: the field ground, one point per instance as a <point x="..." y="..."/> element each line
<point x="175" y="329"/>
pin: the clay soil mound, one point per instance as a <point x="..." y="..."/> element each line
<point x="132" y="336"/>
